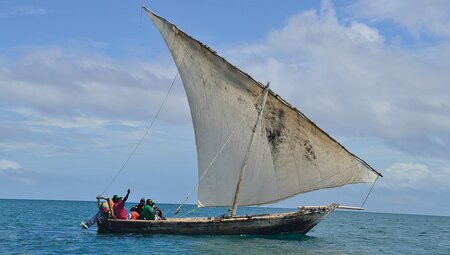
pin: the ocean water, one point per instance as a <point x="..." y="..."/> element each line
<point x="52" y="227"/>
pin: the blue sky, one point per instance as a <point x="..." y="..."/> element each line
<point x="80" y="82"/>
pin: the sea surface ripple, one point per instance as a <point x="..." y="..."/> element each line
<point x="52" y="227"/>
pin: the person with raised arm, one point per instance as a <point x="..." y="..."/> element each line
<point x="119" y="207"/>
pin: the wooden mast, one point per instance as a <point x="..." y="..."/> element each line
<point x="249" y="148"/>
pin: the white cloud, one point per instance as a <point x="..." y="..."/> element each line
<point x="38" y="119"/>
<point x="350" y="81"/>
<point x="56" y="101"/>
<point x="8" y="164"/>
<point x="429" y="17"/>
<point x="12" y="171"/>
<point x="90" y="89"/>
<point x="311" y="31"/>
<point x="405" y="175"/>
<point x="342" y="74"/>
<point x="367" y="33"/>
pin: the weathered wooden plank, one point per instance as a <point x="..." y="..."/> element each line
<point x="296" y="222"/>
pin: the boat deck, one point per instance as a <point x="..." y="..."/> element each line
<point x="299" y="222"/>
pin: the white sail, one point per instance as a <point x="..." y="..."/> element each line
<point x="290" y="155"/>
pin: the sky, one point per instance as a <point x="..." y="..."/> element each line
<point x="80" y="82"/>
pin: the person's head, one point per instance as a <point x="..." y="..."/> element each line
<point x="116" y="198"/>
<point x="142" y="202"/>
<point x="150" y="202"/>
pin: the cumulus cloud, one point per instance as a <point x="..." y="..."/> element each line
<point x="343" y="74"/>
<point x="11" y="170"/>
<point x="8" y="164"/>
<point x="419" y="17"/>
<point x="60" y="83"/>
<point x="352" y="82"/>
<point x="57" y="100"/>
<point x="405" y="175"/>
<point x="311" y="30"/>
<point x="35" y="118"/>
<point x="415" y="176"/>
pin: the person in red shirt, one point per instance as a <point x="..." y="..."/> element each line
<point x="119" y="207"/>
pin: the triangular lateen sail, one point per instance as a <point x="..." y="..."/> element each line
<point x="290" y="155"/>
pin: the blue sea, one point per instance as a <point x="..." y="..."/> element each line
<point x="52" y="227"/>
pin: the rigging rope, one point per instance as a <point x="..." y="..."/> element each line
<point x="191" y="211"/>
<point x="142" y="138"/>
<point x="140" y="19"/>
<point x="369" y="192"/>
<point x="215" y="157"/>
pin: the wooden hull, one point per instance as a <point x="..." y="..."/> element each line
<point x="271" y="224"/>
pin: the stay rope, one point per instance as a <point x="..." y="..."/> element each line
<point x="142" y="138"/>
<point x="369" y="192"/>
<point x="191" y="211"/>
<point x="246" y="115"/>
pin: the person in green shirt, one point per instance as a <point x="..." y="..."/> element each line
<point x="152" y="212"/>
<point x="149" y="212"/>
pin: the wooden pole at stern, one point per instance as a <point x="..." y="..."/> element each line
<point x="249" y="148"/>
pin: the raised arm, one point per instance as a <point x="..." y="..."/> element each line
<point x="99" y="203"/>
<point x="126" y="197"/>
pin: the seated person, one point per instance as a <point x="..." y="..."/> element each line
<point x="152" y="212"/>
<point x="119" y="207"/>
<point x="137" y="211"/>
<point x="159" y="213"/>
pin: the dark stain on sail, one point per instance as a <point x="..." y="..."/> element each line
<point x="302" y="139"/>
<point x="240" y="100"/>
<point x="275" y="130"/>
<point x="309" y="151"/>
<point x="276" y="133"/>
<point x="252" y="93"/>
